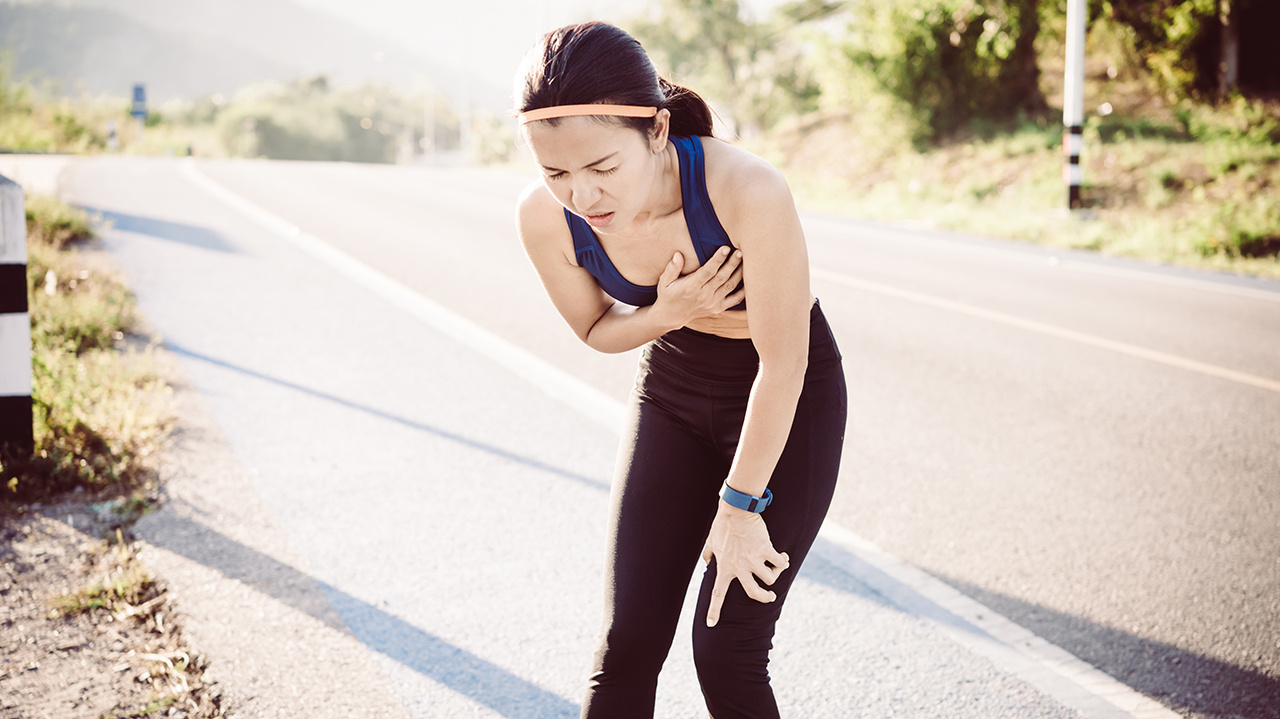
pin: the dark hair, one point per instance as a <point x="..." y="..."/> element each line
<point x="595" y="62"/>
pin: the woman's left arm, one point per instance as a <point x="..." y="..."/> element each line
<point x="763" y="223"/>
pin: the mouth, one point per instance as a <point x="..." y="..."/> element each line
<point x="599" y="220"/>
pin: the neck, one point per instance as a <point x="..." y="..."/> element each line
<point x="664" y="196"/>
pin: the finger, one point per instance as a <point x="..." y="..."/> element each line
<point x="767" y="574"/>
<point x="734" y="277"/>
<point x="779" y="560"/>
<point x="731" y="265"/>
<point x="713" y="264"/>
<point x="733" y="298"/>
<point x="718" y="591"/>
<point x="755" y="591"/>
<point x="671" y="272"/>
<point x="706" y="552"/>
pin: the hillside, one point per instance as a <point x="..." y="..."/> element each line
<point x="189" y="48"/>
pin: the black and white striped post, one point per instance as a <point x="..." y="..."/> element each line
<point x="1073" y="103"/>
<point x="15" y="321"/>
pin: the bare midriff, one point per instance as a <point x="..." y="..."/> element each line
<point x="726" y="324"/>
<point x="732" y="324"/>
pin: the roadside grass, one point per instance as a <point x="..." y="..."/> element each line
<point x="124" y="587"/>
<point x="37" y="118"/>
<point x="101" y="408"/>
<point x="1200" y="188"/>
<point x="122" y="595"/>
<point x="101" y="411"/>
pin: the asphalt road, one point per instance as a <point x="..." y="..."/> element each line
<point x="1090" y="447"/>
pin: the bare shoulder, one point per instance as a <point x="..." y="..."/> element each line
<point x="739" y="180"/>
<point x="540" y="219"/>
<point x="536" y="206"/>
<point x="742" y="185"/>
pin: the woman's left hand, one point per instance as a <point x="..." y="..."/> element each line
<point x="739" y="540"/>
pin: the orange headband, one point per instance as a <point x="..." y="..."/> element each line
<point x="548" y="113"/>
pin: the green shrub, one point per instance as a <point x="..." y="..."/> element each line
<point x="99" y="414"/>
<point x="952" y="65"/>
<point x="54" y="224"/>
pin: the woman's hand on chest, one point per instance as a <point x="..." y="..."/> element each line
<point x="706" y="292"/>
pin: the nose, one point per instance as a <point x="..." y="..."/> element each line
<point x="586" y="192"/>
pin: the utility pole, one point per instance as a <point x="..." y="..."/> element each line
<point x="1073" y="103"/>
<point x="429" y="124"/>
<point x="464" y="124"/>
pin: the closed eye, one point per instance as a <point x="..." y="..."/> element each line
<point x="562" y="174"/>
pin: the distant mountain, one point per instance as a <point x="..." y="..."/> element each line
<point x="191" y="48"/>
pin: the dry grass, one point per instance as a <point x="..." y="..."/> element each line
<point x="101" y="412"/>
<point x="1205" y="196"/>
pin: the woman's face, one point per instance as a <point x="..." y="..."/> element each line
<point x="603" y="172"/>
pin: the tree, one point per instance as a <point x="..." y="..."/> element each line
<point x="751" y="70"/>
<point x="947" y="62"/>
<point x="1201" y="49"/>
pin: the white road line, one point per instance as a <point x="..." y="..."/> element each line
<point x="1051" y="330"/>
<point x="1011" y="647"/>
<point x="900" y="236"/>
<point x="535" y="370"/>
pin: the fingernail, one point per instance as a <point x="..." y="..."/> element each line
<point x="711" y="622"/>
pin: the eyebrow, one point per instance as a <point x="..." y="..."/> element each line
<point x="590" y="165"/>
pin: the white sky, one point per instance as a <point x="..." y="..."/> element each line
<point x="489" y="37"/>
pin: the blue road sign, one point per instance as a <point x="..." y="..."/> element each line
<point x="140" y="101"/>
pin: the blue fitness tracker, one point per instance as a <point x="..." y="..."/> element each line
<point x="742" y="500"/>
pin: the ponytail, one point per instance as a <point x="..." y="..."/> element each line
<point x="690" y="114"/>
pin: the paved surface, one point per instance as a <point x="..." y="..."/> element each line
<point x="426" y="502"/>
<point x="1094" y="473"/>
<point x="331" y="407"/>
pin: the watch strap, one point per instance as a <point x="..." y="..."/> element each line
<point x="744" y="501"/>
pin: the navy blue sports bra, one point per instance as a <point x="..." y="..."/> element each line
<point x="704" y="229"/>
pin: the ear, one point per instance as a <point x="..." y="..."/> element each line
<point x="661" y="129"/>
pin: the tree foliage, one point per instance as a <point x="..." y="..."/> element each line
<point x="930" y="68"/>
<point x="1176" y="40"/>
<point x="309" y="120"/>
<point x="753" y="71"/>
<point x="944" y="62"/>
<point x="947" y="62"/>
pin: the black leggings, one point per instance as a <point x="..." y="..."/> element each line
<point x="685" y="417"/>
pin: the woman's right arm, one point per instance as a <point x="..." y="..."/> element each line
<point x="599" y="321"/>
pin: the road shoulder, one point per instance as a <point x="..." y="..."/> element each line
<point x="275" y="645"/>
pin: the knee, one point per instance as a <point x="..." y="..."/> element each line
<point x="630" y="651"/>
<point x="732" y="649"/>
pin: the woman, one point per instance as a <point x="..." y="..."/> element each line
<point x="646" y="231"/>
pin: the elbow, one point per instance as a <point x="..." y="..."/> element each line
<point x="599" y="342"/>
<point x="788" y="369"/>
<point x="601" y="337"/>
<point x="611" y="348"/>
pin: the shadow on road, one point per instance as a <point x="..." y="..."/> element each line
<point x="450" y="665"/>
<point x="1185" y="681"/>
<point x="421" y="427"/>
<point x="192" y="235"/>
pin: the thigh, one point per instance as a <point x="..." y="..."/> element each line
<point x="803" y="483"/>
<point x="663" y="500"/>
